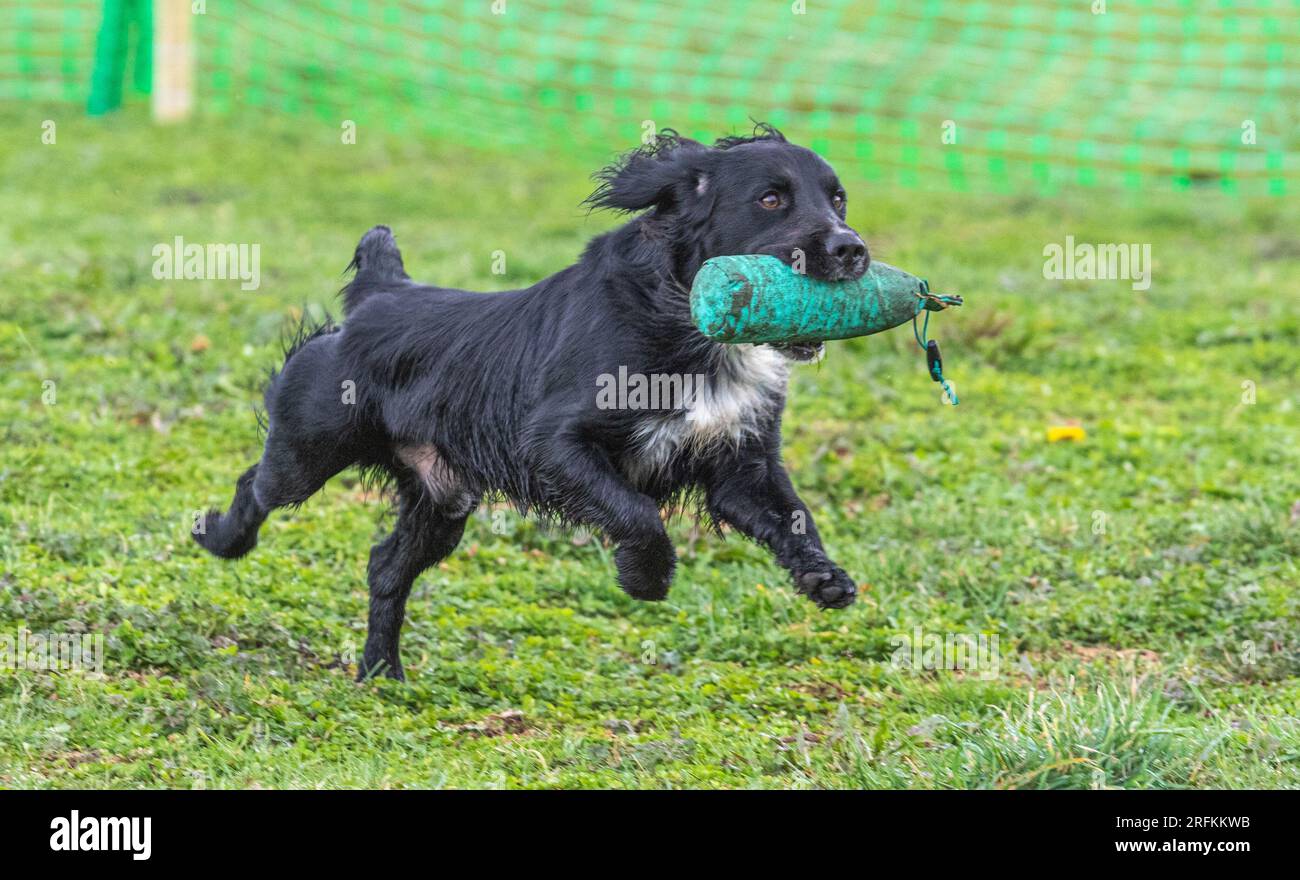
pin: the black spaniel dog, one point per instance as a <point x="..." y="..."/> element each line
<point x="540" y="395"/>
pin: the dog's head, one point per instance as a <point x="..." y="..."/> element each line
<point x="758" y="194"/>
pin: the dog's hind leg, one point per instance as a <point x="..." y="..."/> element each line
<point x="312" y="436"/>
<point x="289" y="473"/>
<point x="428" y="528"/>
<point x="233" y="533"/>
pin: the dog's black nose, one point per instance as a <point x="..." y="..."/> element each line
<point x="845" y="246"/>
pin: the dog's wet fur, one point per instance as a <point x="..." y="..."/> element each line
<point x="452" y="396"/>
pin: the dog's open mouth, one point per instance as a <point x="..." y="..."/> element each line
<point x="800" y="351"/>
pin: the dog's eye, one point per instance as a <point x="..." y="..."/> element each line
<point x="770" y="200"/>
<point x="838" y="201"/>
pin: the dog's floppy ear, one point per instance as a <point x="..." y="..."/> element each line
<point x="659" y="174"/>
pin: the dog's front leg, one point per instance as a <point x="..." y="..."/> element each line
<point x="756" y="497"/>
<point x="589" y="489"/>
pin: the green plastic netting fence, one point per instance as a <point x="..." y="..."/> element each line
<point x="923" y="93"/>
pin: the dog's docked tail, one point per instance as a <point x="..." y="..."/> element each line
<point x="378" y="265"/>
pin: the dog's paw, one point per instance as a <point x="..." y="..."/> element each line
<point x="646" y="569"/>
<point x="375" y="667"/>
<point x="829" y="587"/>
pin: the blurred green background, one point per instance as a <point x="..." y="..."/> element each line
<point x="1133" y="93"/>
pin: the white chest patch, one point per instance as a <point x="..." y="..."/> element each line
<point x="730" y="408"/>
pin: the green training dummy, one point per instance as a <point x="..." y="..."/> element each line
<point x="760" y="299"/>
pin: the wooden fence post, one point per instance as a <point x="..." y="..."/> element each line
<point x="173" y="68"/>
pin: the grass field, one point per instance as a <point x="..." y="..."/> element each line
<point x="1142" y="583"/>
